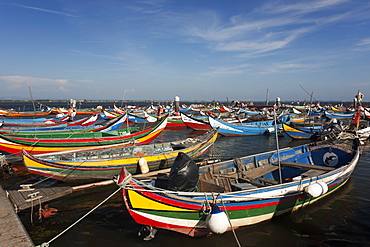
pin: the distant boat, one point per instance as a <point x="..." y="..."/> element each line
<point x="196" y="123"/>
<point x="306" y="133"/>
<point x="244" y="129"/>
<point x="11" y="113"/>
<point x="10" y="145"/>
<point x="339" y="115"/>
<point x="52" y="122"/>
<point x="85" y="125"/>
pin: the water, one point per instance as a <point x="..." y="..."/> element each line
<point x="341" y="219"/>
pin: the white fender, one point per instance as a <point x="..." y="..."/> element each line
<point x="143" y="164"/>
<point x="217" y="221"/>
<point x="316" y="189"/>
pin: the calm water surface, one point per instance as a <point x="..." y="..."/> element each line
<point x="341" y="219"/>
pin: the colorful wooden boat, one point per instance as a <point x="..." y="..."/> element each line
<point x="306" y="133"/>
<point x="195" y="123"/>
<point x="106" y="114"/>
<point x="78" y="126"/>
<point x="250" y="112"/>
<point x="87" y="111"/>
<point x="11" y="113"/>
<point x="144" y="135"/>
<point x="64" y="121"/>
<point x="244" y="129"/>
<point x="146" y="118"/>
<point x="339" y="115"/>
<point x="105" y="163"/>
<point x="80" y="123"/>
<point x="341" y="109"/>
<point x="76" y="139"/>
<point x="174" y="122"/>
<point x="244" y="191"/>
<point x="85" y="126"/>
<point x="7" y="120"/>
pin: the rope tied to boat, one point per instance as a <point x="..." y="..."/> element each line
<point x="125" y="181"/>
<point x="206" y="206"/>
<point x="46" y="244"/>
<point x="232" y="228"/>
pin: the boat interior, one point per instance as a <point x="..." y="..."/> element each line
<point x="262" y="170"/>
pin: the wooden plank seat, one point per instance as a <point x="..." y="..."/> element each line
<point x="244" y="186"/>
<point x="259" y="171"/>
<point x="303" y="166"/>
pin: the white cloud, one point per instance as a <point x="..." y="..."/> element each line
<point x="16" y="82"/>
<point x="44" y="10"/>
<point x="301" y="7"/>
<point x="270" y="28"/>
<point x="233" y="70"/>
<point x="363" y="44"/>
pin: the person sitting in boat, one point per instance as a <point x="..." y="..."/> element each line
<point x="71" y="113"/>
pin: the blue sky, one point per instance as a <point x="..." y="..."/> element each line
<point x="197" y="50"/>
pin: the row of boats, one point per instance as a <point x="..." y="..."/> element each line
<point x="194" y="199"/>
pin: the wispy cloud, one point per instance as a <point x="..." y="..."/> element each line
<point x="147" y="6"/>
<point x="231" y="70"/>
<point x="289" y="67"/>
<point x="300" y="7"/>
<point x="269" y="28"/>
<point x="44" y="10"/>
<point x="363" y="44"/>
<point x="16" y="82"/>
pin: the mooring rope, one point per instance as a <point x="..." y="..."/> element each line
<point x="46" y="244"/>
<point x="232" y="228"/>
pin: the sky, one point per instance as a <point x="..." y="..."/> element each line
<point x="246" y="50"/>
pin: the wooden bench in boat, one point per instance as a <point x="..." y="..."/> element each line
<point x="303" y="166"/>
<point x="259" y="171"/>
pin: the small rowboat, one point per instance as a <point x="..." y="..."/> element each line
<point x="313" y="133"/>
<point x="244" y="129"/>
<point x="339" y="115"/>
<point x="106" y="163"/>
<point x="195" y="123"/>
<point x="244" y="191"/>
<point x="144" y="135"/>
<point x="10" y="113"/>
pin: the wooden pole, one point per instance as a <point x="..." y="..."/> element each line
<point x="33" y="103"/>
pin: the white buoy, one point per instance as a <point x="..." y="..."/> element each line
<point x="217" y="221"/>
<point x="143" y="165"/>
<point x="317" y="189"/>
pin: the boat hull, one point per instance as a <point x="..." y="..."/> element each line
<point x="159" y="156"/>
<point x="186" y="212"/>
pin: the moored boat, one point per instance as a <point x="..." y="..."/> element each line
<point x="227" y="195"/>
<point x="339" y="115"/>
<point x="195" y="123"/>
<point x="12" y="113"/>
<point x="105" y="163"/>
<point x="313" y="132"/>
<point x="13" y="146"/>
<point x="246" y="129"/>
<point x="81" y="126"/>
